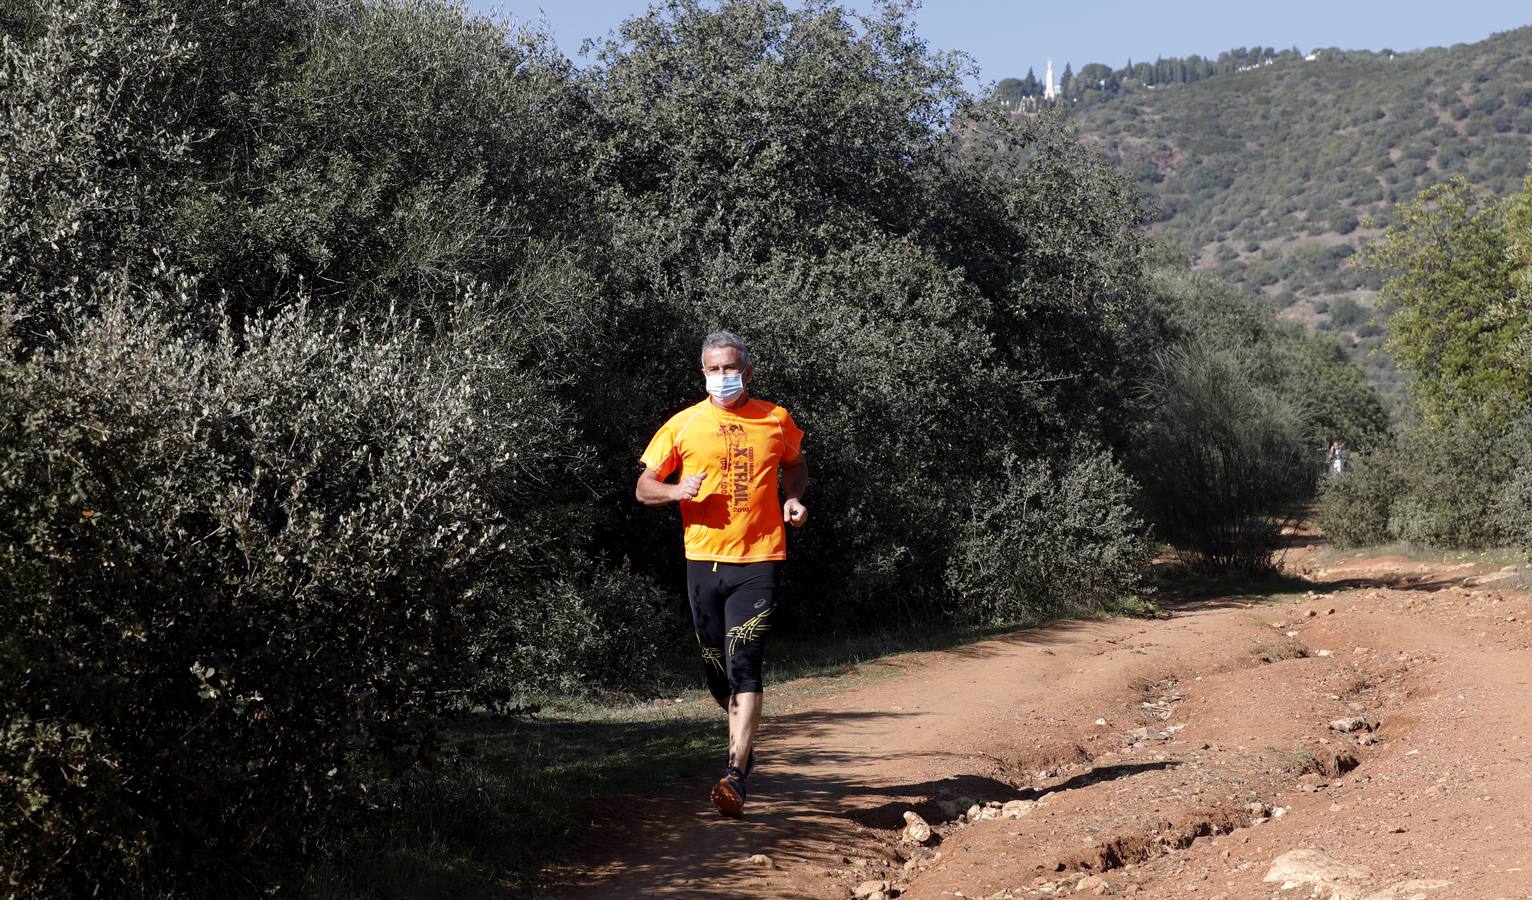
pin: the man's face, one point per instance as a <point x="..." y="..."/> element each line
<point x="724" y="361"/>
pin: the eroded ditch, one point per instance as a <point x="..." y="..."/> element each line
<point x="1181" y="757"/>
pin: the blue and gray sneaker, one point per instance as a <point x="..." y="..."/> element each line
<point x="729" y="794"/>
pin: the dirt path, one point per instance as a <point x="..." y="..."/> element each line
<point x="1167" y="758"/>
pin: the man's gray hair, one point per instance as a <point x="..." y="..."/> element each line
<point x="726" y="339"/>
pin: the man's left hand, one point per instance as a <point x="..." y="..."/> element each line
<point x="795" y="513"/>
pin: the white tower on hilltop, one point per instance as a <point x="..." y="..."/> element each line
<point x="1050" y="90"/>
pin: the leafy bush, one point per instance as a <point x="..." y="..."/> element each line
<point x="1457" y="318"/>
<point x="235" y="578"/>
<point x="1353" y="509"/>
<point x="1455" y="264"/>
<point x="376" y="189"/>
<point x="1513" y="508"/>
<point x="1312" y="369"/>
<point x="1450" y="486"/>
<point x="90" y="159"/>
<point x="576" y="634"/>
<point x="61" y="809"/>
<point x="1453" y="475"/>
<point x="1038" y="543"/>
<point x="1347" y="313"/>
<point x="1341" y="404"/>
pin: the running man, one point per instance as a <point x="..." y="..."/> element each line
<point x="725" y="452"/>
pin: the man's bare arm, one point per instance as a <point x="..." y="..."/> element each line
<point x="651" y="491"/>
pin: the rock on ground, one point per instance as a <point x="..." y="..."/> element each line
<point x="1315" y="867"/>
<point x="916" y="831"/>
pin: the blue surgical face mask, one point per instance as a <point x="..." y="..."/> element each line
<point x="725" y="387"/>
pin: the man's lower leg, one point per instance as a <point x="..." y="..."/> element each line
<point x="744" y="719"/>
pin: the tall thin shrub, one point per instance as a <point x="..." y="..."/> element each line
<point x="1223" y="459"/>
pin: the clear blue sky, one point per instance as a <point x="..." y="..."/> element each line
<point x="1005" y="38"/>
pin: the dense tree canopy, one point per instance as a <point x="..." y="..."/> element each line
<point x="1459" y="322"/>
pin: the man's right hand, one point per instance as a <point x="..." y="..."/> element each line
<point x="690" y="486"/>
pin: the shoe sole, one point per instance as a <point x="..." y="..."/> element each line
<point x="728" y="802"/>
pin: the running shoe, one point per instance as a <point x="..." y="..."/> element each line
<point x="729" y="794"/>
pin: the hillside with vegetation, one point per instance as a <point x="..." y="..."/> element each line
<point x="1273" y="169"/>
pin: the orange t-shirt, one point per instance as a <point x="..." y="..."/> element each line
<point x="737" y="516"/>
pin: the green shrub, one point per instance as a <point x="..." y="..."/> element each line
<point x="576" y="634"/>
<point x="1451" y="486"/>
<point x="1347" y="313"/>
<point x="90" y="158"/>
<point x="60" y="805"/>
<point x="1039" y="543"/>
<point x="1513" y="507"/>
<point x="1353" y="509"/>
<point x="235" y="580"/>
<point x="1452" y="476"/>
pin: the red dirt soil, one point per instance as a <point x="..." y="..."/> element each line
<point x="1216" y="757"/>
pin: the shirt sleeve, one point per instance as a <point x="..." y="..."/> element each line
<point x="661" y="455"/>
<point x="792" y="437"/>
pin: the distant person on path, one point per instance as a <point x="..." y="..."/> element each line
<point x="1338" y="455"/>
<point x="725" y="452"/>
